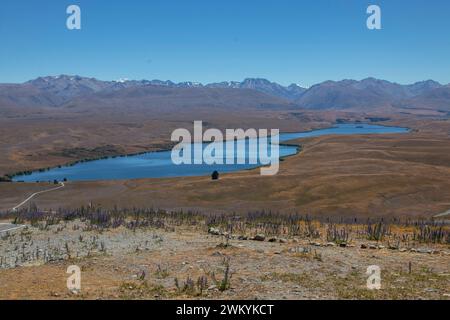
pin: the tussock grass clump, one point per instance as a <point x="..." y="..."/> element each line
<point x="162" y="272"/>
<point x="377" y="231"/>
<point x="336" y="235"/>
<point x="191" y="287"/>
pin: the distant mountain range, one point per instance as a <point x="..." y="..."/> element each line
<point x="372" y="93"/>
<point x="367" y="94"/>
<point x="291" y="92"/>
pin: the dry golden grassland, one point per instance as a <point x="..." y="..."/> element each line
<point x="385" y="175"/>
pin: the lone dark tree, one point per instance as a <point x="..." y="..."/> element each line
<point x="215" y="175"/>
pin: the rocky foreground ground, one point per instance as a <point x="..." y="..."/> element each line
<point x="189" y="262"/>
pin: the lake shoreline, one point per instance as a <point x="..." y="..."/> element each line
<point x="14" y="177"/>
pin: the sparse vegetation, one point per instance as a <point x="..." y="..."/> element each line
<point x="196" y="267"/>
<point x="338" y="236"/>
<point x="162" y="272"/>
<point x="376" y="232"/>
<point x="224" y="283"/>
<point x="269" y="224"/>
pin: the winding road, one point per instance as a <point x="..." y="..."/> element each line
<point x="61" y="185"/>
<point x="446" y="213"/>
<point x="6" y="227"/>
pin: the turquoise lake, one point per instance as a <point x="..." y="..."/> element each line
<point x="159" y="164"/>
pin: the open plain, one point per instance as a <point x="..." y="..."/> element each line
<point x="385" y="175"/>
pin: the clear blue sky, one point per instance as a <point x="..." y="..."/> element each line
<point x="287" y="41"/>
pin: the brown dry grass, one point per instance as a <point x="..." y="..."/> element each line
<point x="44" y="138"/>
<point x="384" y="175"/>
<point x="343" y="176"/>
